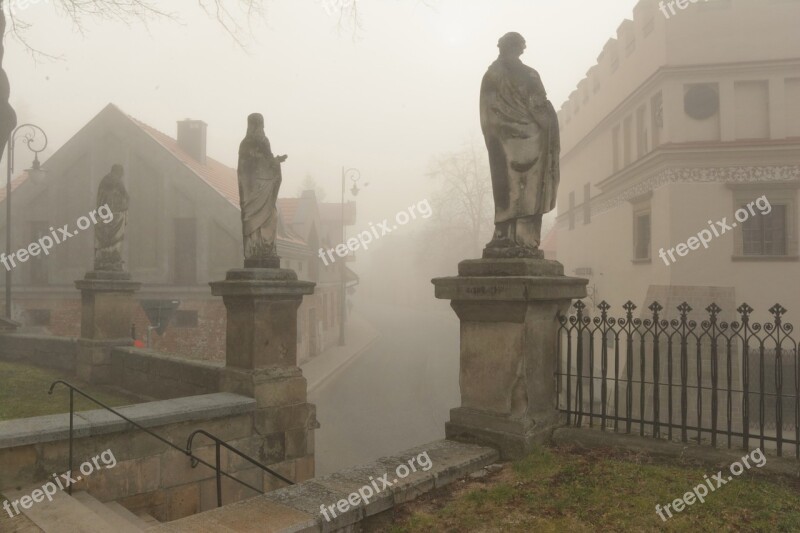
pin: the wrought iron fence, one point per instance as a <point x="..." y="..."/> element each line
<point x="677" y="379"/>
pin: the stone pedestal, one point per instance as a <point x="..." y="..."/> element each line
<point x="261" y="362"/>
<point x="106" y="317"/>
<point x="508" y="310"/>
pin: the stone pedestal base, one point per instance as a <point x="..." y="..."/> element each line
<point x="262" y="316"/>
<point x="261" y="357"/>
<point x="508" y="310"/>
<point x="106" y="317"/>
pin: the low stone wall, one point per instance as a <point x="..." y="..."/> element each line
<point x="43" y="350"/>
<point x="161" y="376"/>
<point x="299" y="508"/>
<point x="150" y="476"/>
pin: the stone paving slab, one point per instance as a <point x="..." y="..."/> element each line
<point x="273" y="512"/>
<point x="256" y="515"/>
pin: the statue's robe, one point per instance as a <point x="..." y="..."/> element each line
<point x="520" y="127"/>
<point x="108" y="236"/>
<point x="259" y="181"/>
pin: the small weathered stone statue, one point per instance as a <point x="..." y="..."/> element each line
<point x="520" y="127"/>
<point x="259" y="181"/>
<point x="109" y="235"/>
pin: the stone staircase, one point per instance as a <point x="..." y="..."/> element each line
<point x="79" y="513"/>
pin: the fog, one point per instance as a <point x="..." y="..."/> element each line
<point x="671" y="124"/>
<point x="386" y="100"/>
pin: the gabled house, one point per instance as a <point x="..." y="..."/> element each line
<point x="183" y="231"/>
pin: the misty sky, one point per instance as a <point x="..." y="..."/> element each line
<point x="404" y="90"/>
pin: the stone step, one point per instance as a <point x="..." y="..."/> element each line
<point x="63" y="515"/>
<point x="127" y="515"/>
<point x="149" y="520"/>
<point x="120" y="522"/>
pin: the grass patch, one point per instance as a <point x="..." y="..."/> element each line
<point x="562" y="489"/>
<point x="23" y="393"/>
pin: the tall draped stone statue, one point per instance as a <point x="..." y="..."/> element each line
<point x="109" y="235"/>
<point x="259" y="181"/>
<point x="520" y="127"/>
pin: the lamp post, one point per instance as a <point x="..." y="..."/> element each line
<point x="354" y="175"/>
<point x="29" y="133"/>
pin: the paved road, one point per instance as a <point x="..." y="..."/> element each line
<point x="394" y="396"/>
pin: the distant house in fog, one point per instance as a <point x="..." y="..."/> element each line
<point x="682" y="122"/>
<point x="184" y="230"/>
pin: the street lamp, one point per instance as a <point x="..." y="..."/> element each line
<point x="28" y="135"/>
<point x="354" y="175"/>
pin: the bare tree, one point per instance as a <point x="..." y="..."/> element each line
<point x="462" y="204"/>
<point x="233" y="15"/>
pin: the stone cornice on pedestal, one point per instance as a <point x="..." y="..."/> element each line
<point x="101" y="281"/>
<point x="509" y="280"/>
<point x="265" y="282"/>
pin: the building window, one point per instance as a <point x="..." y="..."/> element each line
<point x="38" y="317"/>
<point x="769" y="231"/>
<point x="765" y="234"/>
<point x="572" y="210"/>
<point x="627" y="140"/>
<point x="615" y="148"/>
<point x="641" y="235"/>
<point x="656" y="118"/>
<point x="641" y="132"/>
<point x="185" y="251"/>
<point x="587" y="203"/>
<point x="185" y="319"/>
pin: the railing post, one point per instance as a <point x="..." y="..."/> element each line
<point x="219" y="475"/>
<point x="71" y="416"/>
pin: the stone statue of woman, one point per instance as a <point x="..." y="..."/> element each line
<point x="260" y="178"/>
<point x="520" y="127"/>
<point x="108" y="236"/>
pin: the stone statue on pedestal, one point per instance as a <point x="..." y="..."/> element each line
<point x="520" y="127"/>
<point x="260" y="179"/>
<point x="109" y="236"/>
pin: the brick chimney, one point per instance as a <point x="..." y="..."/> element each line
<point x="192" y="138"/>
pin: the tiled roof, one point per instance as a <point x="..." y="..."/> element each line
<point x="288" y="208"/>
<point x="16" y="182"/>
<point x="221" y="178"/>
<point x="333" y="212"/>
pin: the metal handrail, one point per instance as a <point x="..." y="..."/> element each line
<point x="218" y="443"/>
<point x="194" y="459"/>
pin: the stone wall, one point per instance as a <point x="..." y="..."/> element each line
<point x="52" y="352"/>
<point x="203" y="341"/>
<point x="161" y="376"/>
<point x="151" y="476"/>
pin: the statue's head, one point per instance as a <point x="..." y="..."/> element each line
<point x="511" y="44"/>
<point x="255" y="123"/>
<point x="117" y="171"/>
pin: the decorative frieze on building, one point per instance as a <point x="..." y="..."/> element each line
<point x="750" y="174"/>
